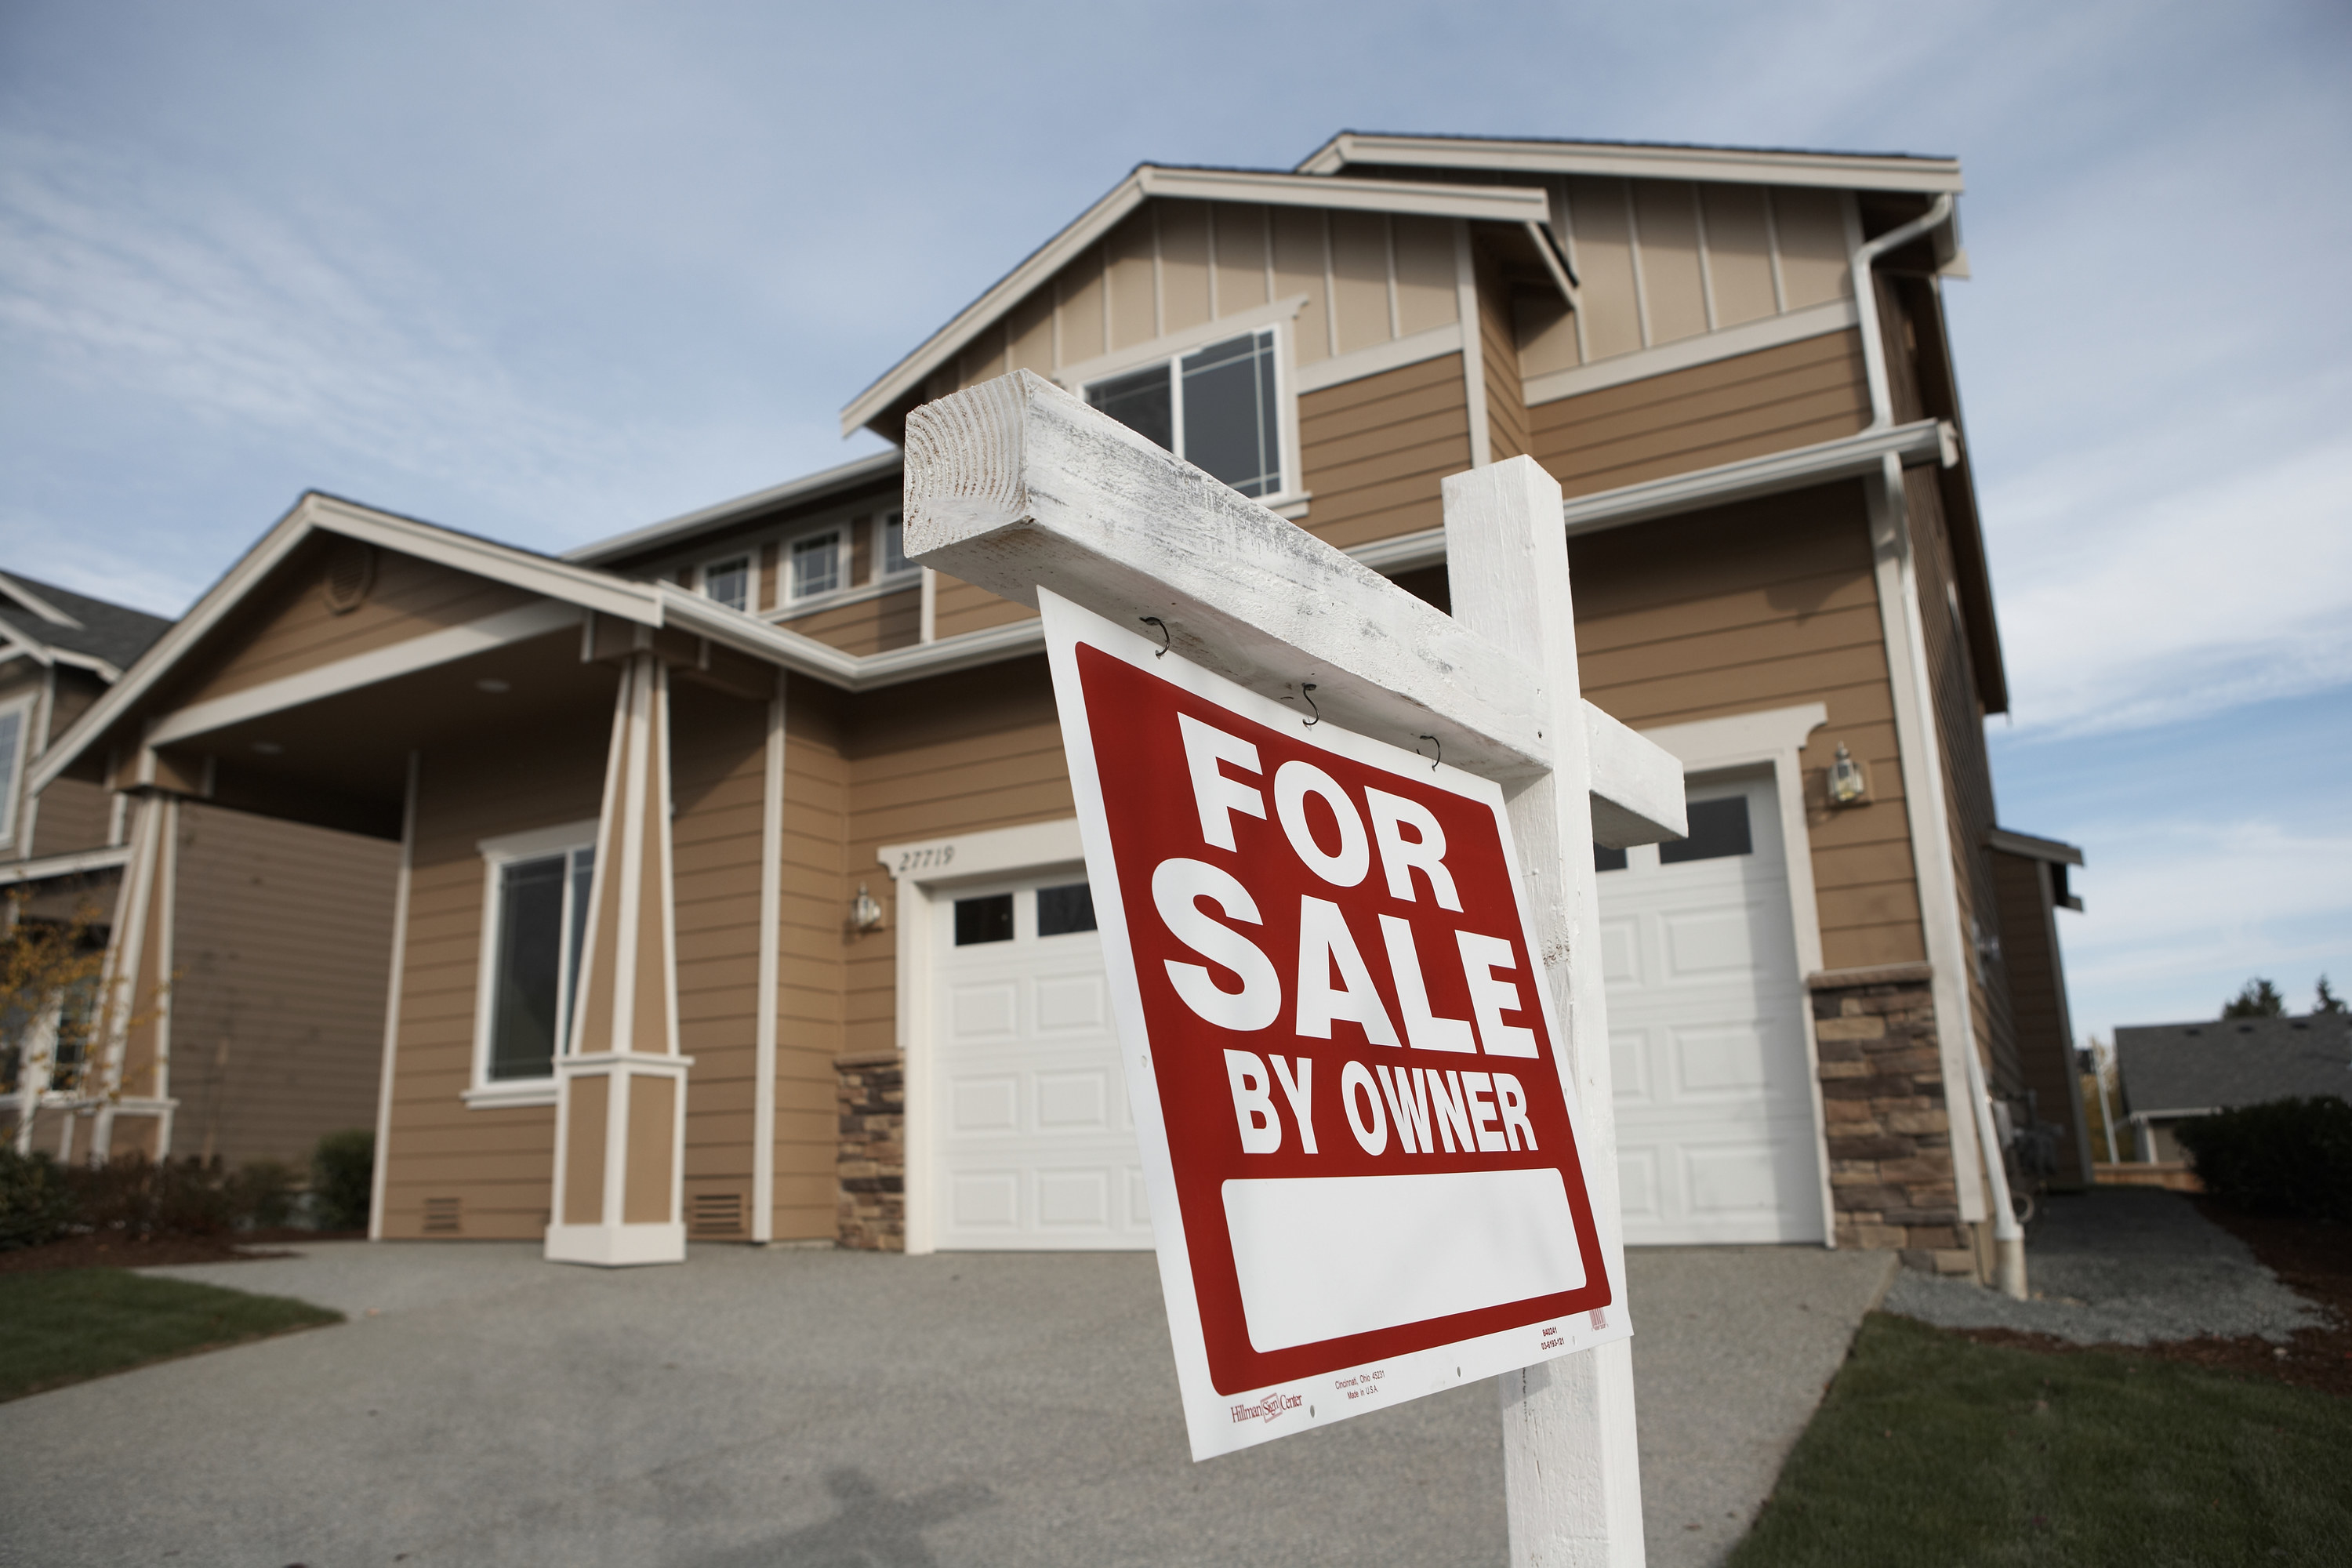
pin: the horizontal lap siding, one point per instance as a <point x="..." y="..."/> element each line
<point x="292" y="630"/>
<point x="958" y="606"/>
<point x="1747" y="407"/>
<point x="871" y="625"/>
<point x="2045" y="1042"/>
<point x="963" y="754"/>
<point x="73" y="813"/>
<point x="498" y="1164"/>
<point x="813" y="932"/>
<point x="1769" y="604"/>
<point x="281" y="953"/>
<point x="1498" y="355"/>
<point x="1375" y="451"/>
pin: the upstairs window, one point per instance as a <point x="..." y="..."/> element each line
<point x="894" y="545"/>
<point x="16" y="724"/>
<point x="1215" y="408"/>
<point x="816" y="564"/>
<point x="730" y="582"/>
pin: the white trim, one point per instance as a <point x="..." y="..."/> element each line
<point x="1773" y="737"/>
<point x="1380" y="359"/>
<point x="2057" y="852"/>
<point x="808" y="487"/>
<point x="35" y="602"/>
<point x="918" y="869"/>
<point x="767" y="986"/>
<point x="1949" y="949"/>
<point x="110" y="858"/>
<point x="497" y="853"/>
<point x="24" y="707"/>
<point x="381" y="1174"/>
<point x="748" y="554"/>
<point x="1474" y="359"/>
<point x="1848" y="456"/>
<point x="876" y="588"/>
<point x="1730" y="166"/>
<point x="1726" y="342"/>
<point x="1073" y="377"/>
<point x="1498" y="204"/>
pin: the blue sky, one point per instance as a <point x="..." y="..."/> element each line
<point x="552" y="271"/>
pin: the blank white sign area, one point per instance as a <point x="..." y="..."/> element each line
<point x="1324" y="1256"/>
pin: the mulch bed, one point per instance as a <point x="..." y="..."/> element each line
<point x="155" y="1251"/>
<point x="2311" y="1257"/>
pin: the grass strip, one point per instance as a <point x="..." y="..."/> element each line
<point x="1932" y="1449"/>
<point x="63" y="1326"/>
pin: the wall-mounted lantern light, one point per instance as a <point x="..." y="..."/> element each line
<point x="1848" y="785"/>
<point x="864" y="910"/>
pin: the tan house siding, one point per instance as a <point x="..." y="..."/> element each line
<point x="281" y="935"/>
<point x="812" y="933"/>
<point x="2037" y="991"/>
<point x="1745" y="407"/>
<point x="74" y="814"/>
<point x="292" y="630"/>
<point x="958" y="606"/>
<point x="1375" y="451"/>
<point x="1762" y="605"/>
<point x="870" y="626"/>
<point x="1508" y="435"/>
<point x="496" y="1163"/>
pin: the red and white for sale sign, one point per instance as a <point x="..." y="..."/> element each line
<point x="1357" y="1131"/>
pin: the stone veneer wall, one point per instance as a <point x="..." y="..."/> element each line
<point x="872" y="1162"/>
<point x="1890" y="1149"/>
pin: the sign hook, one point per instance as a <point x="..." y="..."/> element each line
<point x="1441" y="750"/>
<point x="1161" y="651"/>
<point x="1305" y="688"/>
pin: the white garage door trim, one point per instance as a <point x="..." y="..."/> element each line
<point x="925" y="873"/>
<point x="1773" y="737"/>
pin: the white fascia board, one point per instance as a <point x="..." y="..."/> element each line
<point x="1728" y="165"/>
<point x="808" y="487"/>
<point x="2056" y="851"/>
<point x="1848" y="456"/>
<point x="78" y="861"/>
<point x="35" y="602"/>
<point x="1273" y="188"/>
<point x="583" y="587"/>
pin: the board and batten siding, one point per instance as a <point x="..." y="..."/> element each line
<point x="1767" y="603"/>
<point x="280" y="937"/>
<point x="1747" y="406"/>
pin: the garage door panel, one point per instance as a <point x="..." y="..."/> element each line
<point x="1620" y="950"/>
<point x="986" y="1200"/>
<point x="1073" y="1101"/>
<point x="1710" y="944"/>
<point x="1067" y="1003"/>
<point x="1727" y="1060"/>
<point x="983" y="1010"/>
<point x="1629" y="1065"/>
<point x="984" y="1104"/>
<point x="1637" y="1184"/>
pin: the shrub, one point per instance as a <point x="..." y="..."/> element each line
<point x="2289" y="1156"/>
<point x="36" y="1203"/>
<point x="261" y="1194"/>
<point x="134" y="1196"/>
<point x="342" y="1179"/>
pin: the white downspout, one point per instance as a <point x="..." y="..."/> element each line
<point x="2009" y="1237"/>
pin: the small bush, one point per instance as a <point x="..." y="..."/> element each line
<point x="261" y="1194"/>
<point x="342" y="1179"/>
<point x="134" y="1196"/>
<point x="2289" y="1156"/>
<point x="37" y="1203"/>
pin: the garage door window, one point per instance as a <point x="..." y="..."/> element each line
<point x="1064" y="909"/>
<point x="1719" y="828"/>
<point x="984" y="919"/>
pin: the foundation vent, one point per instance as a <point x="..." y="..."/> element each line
<point x="442" y="1216"/>
<point x="717" y="1214"/>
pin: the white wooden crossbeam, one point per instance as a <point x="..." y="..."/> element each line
<point x="1015" y="484"/>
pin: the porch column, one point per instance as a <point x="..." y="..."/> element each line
<point x="130" y="1080"/>
<point x="620" y="1116"/>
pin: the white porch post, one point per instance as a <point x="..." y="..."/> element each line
<point x="132" y="1077"/>
<point x="1572" y="1481"/>
<point x="620" y="1116"/>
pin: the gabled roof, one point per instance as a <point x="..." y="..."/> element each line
<point x="1273" y="187"/>
<point x="807" y="489"/>
<point x="2234" y="1061"/>
<point x="51" y="622"/>
<point x="1638" y="160"/>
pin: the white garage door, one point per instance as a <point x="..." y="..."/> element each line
<point x="1036" y="1148"/>
<point x="1715" y="1122"/>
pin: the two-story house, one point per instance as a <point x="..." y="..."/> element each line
<point x="740" y="893"/>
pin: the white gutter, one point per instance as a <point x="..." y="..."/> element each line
<point x="2008" y="1235"/>
<point x="1865" y="303"/>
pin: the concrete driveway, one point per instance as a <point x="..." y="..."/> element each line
<point x="806" y="1408"/>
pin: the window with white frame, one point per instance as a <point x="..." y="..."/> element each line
<point x="894" y="545"/>
<point x="814" y="565"/>
<point x="16" y="735"/>
<point x="534" y="921"/>
<point x="1215" y="407"/>
<point x="730" y="582"/>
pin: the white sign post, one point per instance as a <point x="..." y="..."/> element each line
<point x="1333" y="833"/>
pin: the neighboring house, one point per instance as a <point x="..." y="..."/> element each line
<point x="739" y="866"/>
<point x="2173" y="1073"/>
<point x="265" y="992"/>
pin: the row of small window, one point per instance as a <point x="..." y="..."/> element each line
<point x="1061" y="911"/>
<point x="814" y="566"/>
<point x="1718" y="830"/>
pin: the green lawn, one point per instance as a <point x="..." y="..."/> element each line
<point x="62" y="1325"/>
<point x="1933" y="1449"/>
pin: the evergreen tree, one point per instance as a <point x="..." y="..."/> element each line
<point x="2259" y="999"/>
<point x="2328" y="1001"/>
